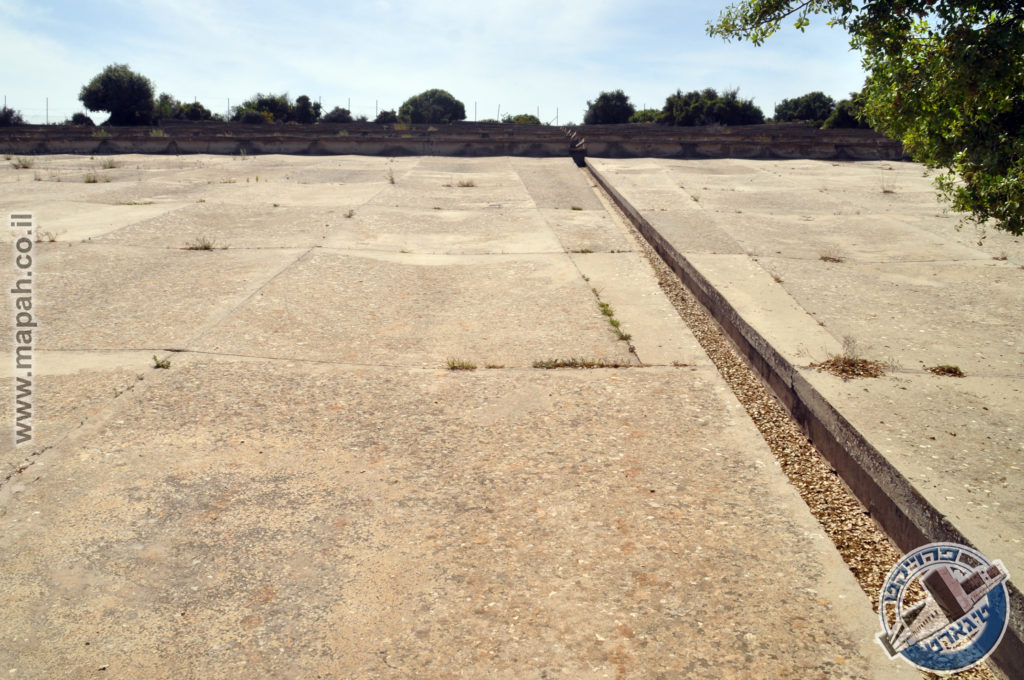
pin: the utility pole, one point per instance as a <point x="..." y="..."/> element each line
<point x="499" y="113"/>
<point x="47" y="110"/>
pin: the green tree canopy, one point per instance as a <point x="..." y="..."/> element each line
<point x="168" y="107"/>
<point x="338" y="115"/>
<point x="386" y="117"/>
<point x="610" y="108"/>
<point x="645" y="116"/>
<point x="10" y="117"/>
<point x="521" y="119"/>
<point x="127" y="95"/>
<point x="813" y="106"/>
<point x="946" y="78"/>
<point x="193" y="111"/>
<point x="708" y="107"/>
<point x="849" y="113"/>
<point x="165" y="106"/>
<point x="305" y="111"/>
<point x="275" y="108"/>
<point x="432" y="106"/>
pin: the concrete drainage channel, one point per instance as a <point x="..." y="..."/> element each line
<point x="836" y="449"/>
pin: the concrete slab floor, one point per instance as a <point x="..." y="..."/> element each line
<point x="909" y="289"/>
<point x="307" y="492"/>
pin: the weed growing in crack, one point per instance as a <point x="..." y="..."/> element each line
<point x="849" y="364"/>
<point x="461" y="365"/>
<point x="832" y="254"/>
<point x="202" y="243"/>
<point x="161" y="363"/>
<point x="578" y="362"/>
<point x="946" y="370"/>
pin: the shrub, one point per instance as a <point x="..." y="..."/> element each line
<point x="386" y="117"/>
<point x="82" y="119"/>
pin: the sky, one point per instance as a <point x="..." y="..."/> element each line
<point x="516" y="56"/>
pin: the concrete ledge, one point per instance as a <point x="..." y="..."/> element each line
<point x="460" y="139"/>
<point x="902" y="512"/>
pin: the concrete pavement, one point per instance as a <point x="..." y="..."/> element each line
<point x="307" y="491"/>
<point x="814" y="253"/>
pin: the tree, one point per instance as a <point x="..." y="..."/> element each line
<point x="193" y="111"/>
<point x="127" y="95"/>
<point x="522" y="119"/>
<point x="10" y="117"/>
<point x="252" y="117"/>
<point x="305" y="111"/>
<point x="81" y="119"/>
<point x="946" y="78"/>
<point x="813" y="106"/>
<point x="168" y="107"/>
<point x="165" y="106"/>
<point x="610" y="108"/>
<point x="645" y="116"/>
<point x="386" y="117"/>
<point x="275" y="108"/>
<point x="338" y="115"/>
<point x="849" y="113"/>
<point x="432" y="106"/>
<point x="708" y="107"/>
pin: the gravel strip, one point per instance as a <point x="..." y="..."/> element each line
<point x="864" y="547"/>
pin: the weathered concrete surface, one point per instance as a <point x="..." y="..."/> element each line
<point x="462" y="139"/>
<point x="307" y="492"/>
<point x="910" y="288"/>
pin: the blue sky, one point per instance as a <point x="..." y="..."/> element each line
<point x="519" y="55"/>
